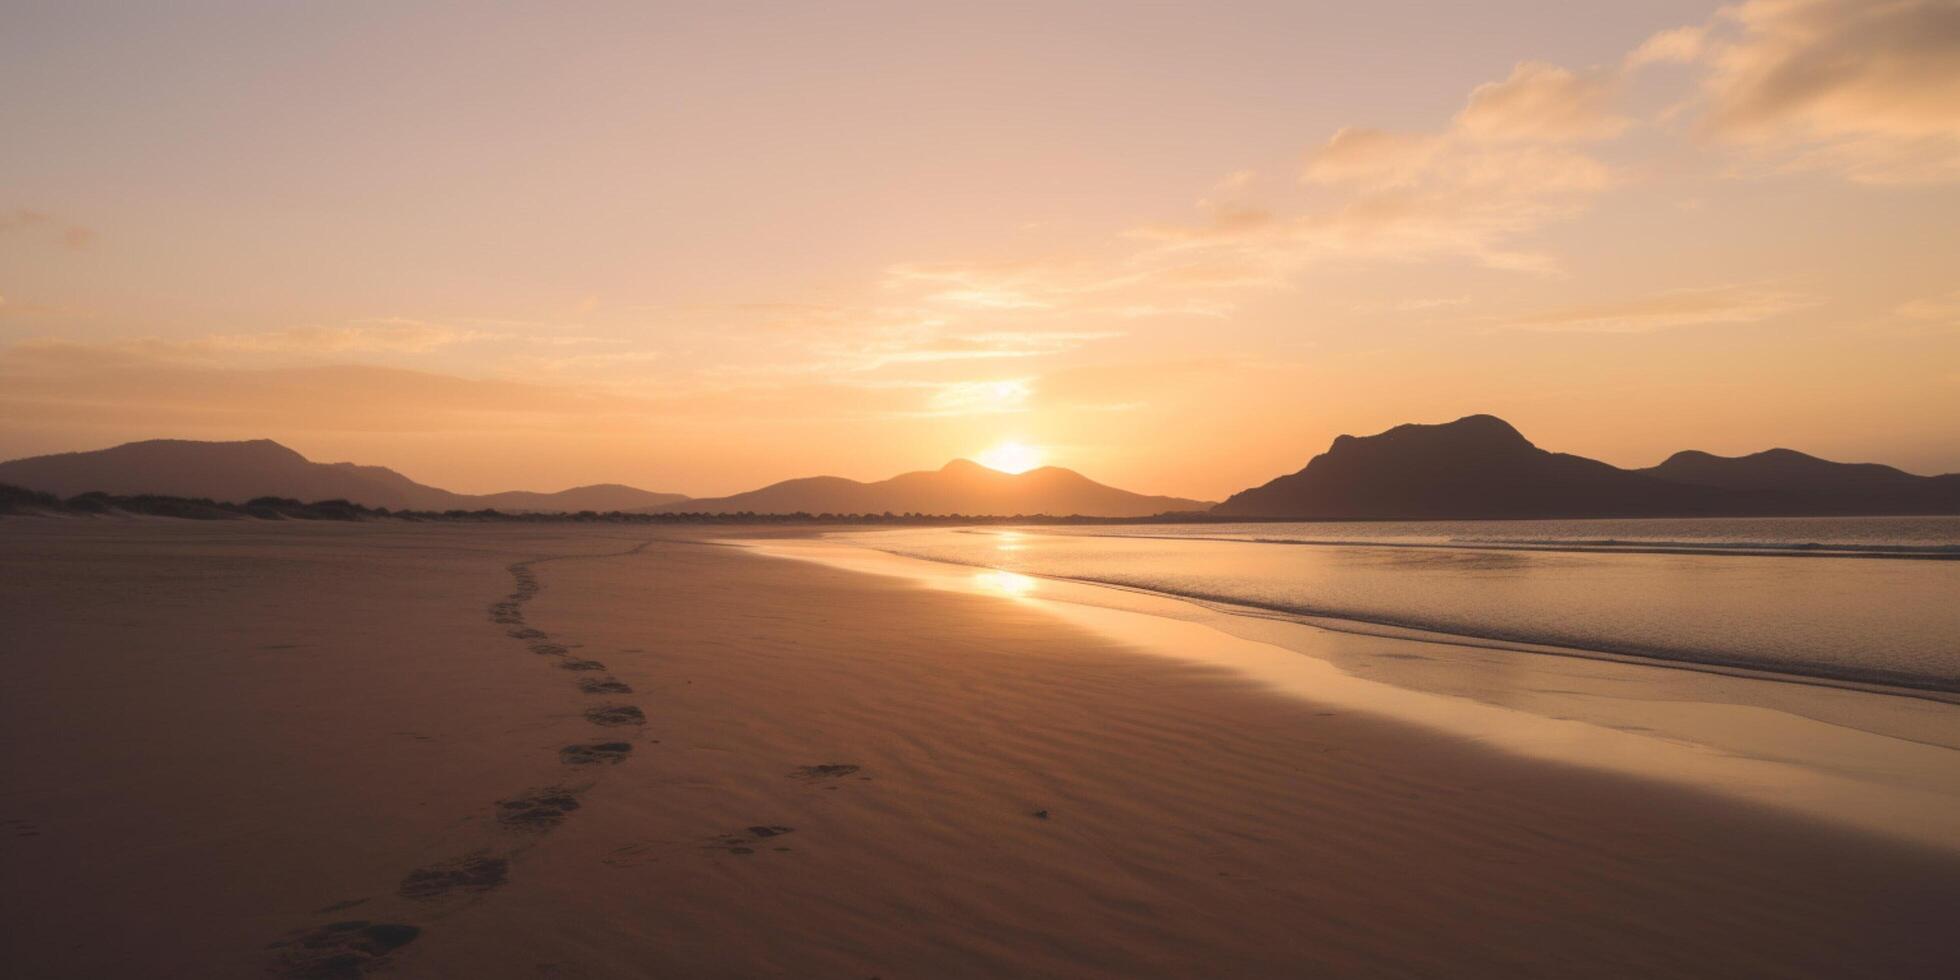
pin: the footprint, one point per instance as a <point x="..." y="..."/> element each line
<point x="549" y="649"/>
<point x="581" y="665"/>
<point x="474" y="873"/>
<point x="616" y="714"/>
<point x="604" y="685"/>
<point x="542" y="810"/>
<point x="526" y="633"/>
<point x="340" y="906"/>
<point x="583" y="755"/>
<point x="630" y="856"/>
<point x="739" y="843"/>
<point x="831" y="770"/>
<point x="342" y="949"/>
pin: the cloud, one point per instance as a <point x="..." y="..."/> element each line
<point x="1939" y="309"/>
<point x="1371" y="159"/>
<point x="390" y="336"/>
<point x="982" y="397"/>
<point x="289" y="345"/>
<point x="10" y="309"/>
<point x="1448" y="194"/>
<point x="1727" y="304"/>
<point x="1416" y="304"/>
<point x="1869" y="89"/>
<point x="1681" y="44"/>
<point x="28" y="221"/>
<point x="1544" y="103"/>
<point x="153" y="386"/>
<point x="1866" y="88"/>
<point x="1019" y="286"/>
<point x="590" y="366"/>
<point x="114" y="385"/>
<point x="930" y="341"/>
<point x="1503" y="167"/>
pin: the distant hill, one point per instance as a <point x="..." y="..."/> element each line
<point x="241" y="471"/>
<point x="1481" y="467"/>
<point x="1816" y="486"/>
<point x="599" y="497"/>
<point x="960" y="487"/>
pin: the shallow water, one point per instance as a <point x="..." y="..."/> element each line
<point x="1852" y="757"/>
<point x="1907" y="537"/>
<point x="1846" y="599"/>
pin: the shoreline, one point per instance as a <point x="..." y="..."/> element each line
<point x="1812" y="749"/>
<point x="1431" y="634"/>
<point x="1234" y="592"/>
<point x="1607" y="547"/>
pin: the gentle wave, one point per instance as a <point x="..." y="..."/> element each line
<point x="1713" y="604"/>
<point x="1638" y="546"/>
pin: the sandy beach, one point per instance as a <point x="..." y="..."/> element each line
<point x="250" y="748"/>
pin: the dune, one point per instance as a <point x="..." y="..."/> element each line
<point x="525" y="750"/>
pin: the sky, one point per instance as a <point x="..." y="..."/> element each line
<point x="1177" y="247"/>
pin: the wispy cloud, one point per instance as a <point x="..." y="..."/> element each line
<point x="30" y="221"/>
<point x="1544" y="103"/>
<point x="1869" y="89"/>
<point x="1727" y="304"/>
<point x="393" y="335"/>
<point x="982" y="397"/>
<point x="1932" y="309"/>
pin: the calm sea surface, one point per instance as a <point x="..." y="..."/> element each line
<point x="1865" y="599"/>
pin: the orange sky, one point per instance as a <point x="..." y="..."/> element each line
<point x="700" y="249"/>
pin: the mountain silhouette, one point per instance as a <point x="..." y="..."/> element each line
<point x="960" y="487"/>
<point x="1481" y="467"/>
<point x="241" y="471"/>
<point x="1816" y="486"/>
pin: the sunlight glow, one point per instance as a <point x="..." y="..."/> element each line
<point x="1011" y="584"/>
<point x="1011" y="457"/>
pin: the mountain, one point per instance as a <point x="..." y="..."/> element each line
<point x="1474" y="467"/>
<point x="1810" y="485"/>
<point x="601" y="497"/>
<point x="241" y="471"/>
<point x="1481" y="467"/>
<point x="960" y="487"/>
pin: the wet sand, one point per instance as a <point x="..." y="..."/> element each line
<point x="434" y="751"/>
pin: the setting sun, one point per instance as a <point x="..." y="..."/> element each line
<point x="1011" y="457"/>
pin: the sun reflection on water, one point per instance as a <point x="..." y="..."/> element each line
<point x="1012" y="584"/>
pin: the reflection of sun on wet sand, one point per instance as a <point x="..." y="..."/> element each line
<point x="352" y="743"/>
<point x="1005" y="583"/>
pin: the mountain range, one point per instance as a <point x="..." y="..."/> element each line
<point x="1477" y="467"/>
<point x="240" y="471"/>
<point x="960" y="487"/>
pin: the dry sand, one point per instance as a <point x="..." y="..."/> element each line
<point x="220" y="739"/>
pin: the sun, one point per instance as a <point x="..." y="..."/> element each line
<point x="1011" y="457"/>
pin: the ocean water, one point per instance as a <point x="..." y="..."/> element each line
<point x="1874" y="600"/>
